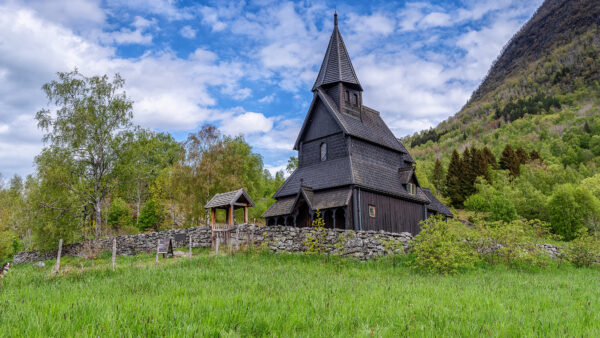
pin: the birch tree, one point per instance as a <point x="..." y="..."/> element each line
<point x="87" y="122"/>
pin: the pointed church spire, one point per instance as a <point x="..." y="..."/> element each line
<point x="336" y="66"/>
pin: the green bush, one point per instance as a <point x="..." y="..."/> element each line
<point x="583" y="251"/>
<point x="440" y="248"/>
<point x="151" y="215"/>
<point x="518" y="243"/>
<point x="316" y="243"/>
<point x="569" y="208"/>
<point x="119" y="214"/>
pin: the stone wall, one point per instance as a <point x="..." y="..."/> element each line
<point x="360" y="244"/>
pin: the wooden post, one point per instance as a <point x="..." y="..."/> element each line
<point x="190" y="236"/>
<point x="114" y="252"/>
<point x="217" y="244"/>
<point x="246" y="214"/>
<point x="57" y="268"/>
<point x="334" y="212"/>
<point x="231" y="215"/>
<point x="157" y="247"/>
<point x="212" y="217"/>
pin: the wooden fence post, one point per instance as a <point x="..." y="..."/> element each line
<point x="218" y="239"/>
<point x="57" y="268"/>
<point x="157" y="247"/>
<point x="114" y="252"/>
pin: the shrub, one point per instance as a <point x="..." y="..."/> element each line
<point x="119" y="214"/>
<point x="517" y="243"/>
<point x="316" y="243"/>
<point x="151" y="215"/>
<point x="569" y="208"/>
<point x="583" y="251"/>
<point x="439" y="248"/>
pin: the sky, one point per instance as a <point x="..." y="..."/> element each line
<point x="246" y="66"/>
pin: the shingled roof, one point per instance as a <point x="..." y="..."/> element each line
<point x="436" y="205"/>
<point x="370" y="127"/>
<point x="228" y="198"/>
<point x="316" y="200"/>
<point x="336" y="66"/>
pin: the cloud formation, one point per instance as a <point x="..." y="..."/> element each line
<point x="246" y="67"/>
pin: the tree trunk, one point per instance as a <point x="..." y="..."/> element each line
<point x="98" y="217"/>
<point x="138" y="202"/>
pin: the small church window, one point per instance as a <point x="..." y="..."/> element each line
<point x="323" y="151"/>
<point x="355" y="99"/>
<point x="372" y="211"/>
<point x="412" y="188"/>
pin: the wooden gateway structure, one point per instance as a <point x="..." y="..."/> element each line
<point x="350" y="164"/>
<point x="229" y="201"/>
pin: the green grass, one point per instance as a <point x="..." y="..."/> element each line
<point x="293" y="295"/>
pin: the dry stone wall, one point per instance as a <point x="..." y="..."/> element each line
<point x="360" y="244"/>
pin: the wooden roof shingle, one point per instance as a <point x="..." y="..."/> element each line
<point x="228" y="198"/>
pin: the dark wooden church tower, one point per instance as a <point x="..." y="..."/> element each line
<point x="351" y="167"/>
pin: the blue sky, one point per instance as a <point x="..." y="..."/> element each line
<point x="246" y="66"/>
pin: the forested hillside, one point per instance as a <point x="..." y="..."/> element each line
<point x="527" y="144"/>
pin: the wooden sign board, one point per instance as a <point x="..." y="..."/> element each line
<point x="165" y="247"/>
<point x="179" y="238"/>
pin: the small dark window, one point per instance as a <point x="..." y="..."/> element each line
<point x="372" y="211"/>
<point x="355" y="99"/>
<point x="347" y="96"/>
<point x="412" y="189"/>
<point x="323" y="151"/>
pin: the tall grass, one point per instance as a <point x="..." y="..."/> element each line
<point x="261" y="294"/>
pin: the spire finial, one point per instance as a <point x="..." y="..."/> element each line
<point x="335" y="18"/>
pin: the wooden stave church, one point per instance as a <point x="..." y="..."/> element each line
<point x="351" y="167"/>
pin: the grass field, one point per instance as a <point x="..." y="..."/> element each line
<point x="259" y="294"/>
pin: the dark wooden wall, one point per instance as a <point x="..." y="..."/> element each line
<point x="311" y="151"/>
<point x="392" y="214"/>
<point x="320" y="124"/>
<point x="367" y="151"/>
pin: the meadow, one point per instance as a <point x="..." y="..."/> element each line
<point x="265" y="294"/>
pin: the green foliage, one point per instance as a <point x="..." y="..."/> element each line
<point x="488" y="200"/>
<point x="151" y="216"/>
<point x="438" y="176"/>
<point x="119" y="214"/>
<point x="510" y="161"/>
<point x="518" y="243"/>
<point x="533" y="106"/>
<point x="439" y="248"/>
<point x="316" y="242"/>
<point x="583" y="250"/>
<point x="292" y="164"/>
<point x="569" y="208"/>
<point x="454" y="186"/>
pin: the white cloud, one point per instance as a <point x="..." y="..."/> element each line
<point x="210" y="16"/>
<point x="267" y="99"/>
<point x="166" y="8"/>
<point x="170" y="93"/>
<point x="246" y="124"/>
<point x="188" y="32"/>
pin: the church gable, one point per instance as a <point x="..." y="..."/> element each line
<point x="319" y="122"/>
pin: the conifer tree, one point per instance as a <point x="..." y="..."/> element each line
<point x="453" y="180"/>
<point x="534" y="156"/>
<point x="480" y="165"/>
<point x="438" y="176"/>
<point x="509" y="161"/>
<point x="490" y="158"/>
<point x="522" y="155"/>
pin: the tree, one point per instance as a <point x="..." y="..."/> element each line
<point x="490" y="158"/>
<point x="438" y="175"/>
<point x="569" y="208"/>
<point x="509" y="161"/>
<point x="119" y="214"/>
<point x="534" y="156"/>
<point x="86" y="134"/>
<point x="522" y="155"/>
<point x="454" y="182"/>
<point x="152" y="215"/>
<point x="292" y="164"/>
<point x="145" y="155"/>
